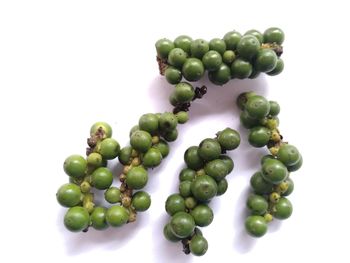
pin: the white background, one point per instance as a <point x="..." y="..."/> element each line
<point x="66" y="64"/>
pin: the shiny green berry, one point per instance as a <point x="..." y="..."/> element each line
<point x="163" y="47"/>
<point x="256" y="33"/>
<point x="76" y="219"/>
<point x="259" y="136"/>
<point x="204" y="188"/>
<point x="94" y="160"/>
<point x="290" y="187"/>
<point x="218" y="45"/>
<point x="209" y="149"/>
<point x="193" y="69"/>
<point x="278" y="68"/>
<point x="274" y="35"/>
<point x="259" y="184"/>
<point x="117" y="216"/>
<point x="212" y="60"/>
<point x="134" y="129"/>
<point x="149" y="122"/>
<point x="137" y="177"/>
<point x="228" y="162"/>
<point x="193" y="159"/>
<point x="256" y="226"/>
<point x="109" y="148"/>
<point x="102" y="178"/>
<point x="183" y="42"/>
<point x="198" y="245"/>
<point x="283" y="208"/>
<point x="247" y="121"/>
<point x="177" y="57"/>
<point x="141" y="201"/>
<point x="185" y="188"/>
<point x="220" y="76"/>
<point x="257" y="204"/>
<point x="266" y="157"/>
<point x="125" y="155"/>
<point x="75" y="166"/>
<point x="296" y="166"/>
<point x="203" y="215"/>
<point x="174" y="203"/>
<point x="241" y="69"/>
<point x="98" y="218"/>
<point x="266" y="60"/>
<point x="168" y="234"/>
<point x="167" y="121"/>
<point x="141" y="141"/>
<point x="113" y="195"/>
<point x="170" y="136"/>
<point x="184" y="92"/>
<point x="222" y="187"/>
<point x="231" y="39"/>
<point x="216" y="169"/>
<point x="182" y="224"/>
<point x="248" y="46"/>
<point x="199" y="47"/>
<point x="257" y="107"/>
<point x="274" y="108"/>
<point x="103" y="129"/>
<point x="228" y="57"/>
<point x="187" y="174"/>
<point x="152" y="158"/>
<point x="163" y="147"/>
<point x="229" y="139"/>
<point x="68" y="195"/>
<point x="182" y="117"/>
<point x="288" y="154"/>
<point x="173" y="75"/>
<point x="274" y="171"/>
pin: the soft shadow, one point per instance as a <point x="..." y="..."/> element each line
<point x="275" y="225"/>
<point x="165" y="250"/>
<point x="242" y="242"/>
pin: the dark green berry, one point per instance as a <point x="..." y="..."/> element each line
<point x="141" y="201"/>
<point x="241" y="69"/>
<point x="68" y="195"/>
<point x="76" y="219"/>
<point x="212" y="60"/>
<point x="283" y="208"/>
<point x="222" y="187"/>
<point x="288" y="154"/>
<point x="204" y="188"/>
<point x="193" y="69"/>
<point x="231" y="39"/>
<point x="187" y="174"/>
<point x="229" y="139"/>
<point x="248" y="46"/>
<point x="98" y="218"/>
<point x="257" y="107"/>
<point x="75" y="166"/>
<point x="184" y="92"/>
<point x="256" y="33"/>
<point x="209" y="149"/>
<point x="274" y="35"/>
<point x="256" y="226"/>
<point x="102" y="178"/>
<point x="109" y="148"/>
<point x="149" y="122"/>
<point x="203" y="215"/>
<point x="220" y="76"/>
<point x="217" y="169"/>
<point x="182" y="224"/>
<point x="257" y="204"/>
<point x="173" y="75"/>
<point x="266" y="60"/>
<point x="141" y="141"/>
<point x="218" y="45"/>
<point x="175" y="203"/>
<point x="117" y="216"/>
<point x="177" y="57"/>
<point x="198" y="245"/>
<point x="152" y="158"/>
<point x="183" y="42"/>
<point x="193" y="159"/>
<point x="259" y="184"/>
<point x="163" y="47"/>
<point x="278" y="68"/>
<point x="259" y="136"/>
<point x="274" y="171"/>
<point x="199" y="47"/>
<point x="137" y="177"/>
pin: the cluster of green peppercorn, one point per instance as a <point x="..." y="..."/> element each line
<point x="272" y="183"/>
<point x="200" y="181"/>
<point x="233" y="56"/>
<point x="148" y="146"/>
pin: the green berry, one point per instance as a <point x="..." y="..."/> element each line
<point x="193" y="159"/>
<point x="204" y="188"/>
<point x="198" y="245"/>
<point x="256" y="33"/>
<point x="68" y="195"/>
<point x="187" y="174"/>
<point x="177" y="57"/>
<point x="125" y="155"/>
<point x="218" y="45"/>
<point x="274" y="171"/>
<point x="109" y="148"/>
<point x="190" y="202"/>
<point x="76" y="219"/>
<point x="199" y="47"/>
<point x="117" y="216"/>
<point x="94" y="159"/>
<point x="228" y="162"/>
<point x="185" y="188"/>
<point x="171" y="136"/>
<point x="183" y="42"/>
<point x="266" y="157"/>
<point x="228" y="57"/>
<point x="242" y="99"/>
<point x="137" y="177"/>
<point x="184" y="92"/>
<point x="257" y="107"/>
<point x="290" y="187"/>
<point x="209" y="149"/>
<point x="167" y="121"/>
<point x="266" y="60"/>
<point x="182" y="224"/>
<point x="220" y="76"/>
<point x="75" y="166"/>
<point x="212" y="60"/>
<point x="149" y="123"/>
<point x="175" y="203"/>
<point x="102" y="178"/>
<point x="257" y="204"/>
<point x="203" y="215"/>
<point x="163" y="47"/>
<point x="229" y="139"/>
<point x="288" y="155"/>
<point x="247" y="121"/>
<point x="152" y="158"/>
<point x="168" y="234"/>
<point x="182" y="117"/>
<point x="113" y="195"/>
<point x="259" y="136"/>
<point x="274" y="35"/>
<point x="222" y="187"/>
<point x="102" y="128"/>
<point x="256" y="226"/>
<point x="231" y="39"/>
<point x="248" y="46"/>
<point x="278" y="68"/>
<point x="216" y="169"/>
<point x="173" y="75"/>
<point x="255" y="73"/>
<point x="133" y="129"/>
<point x="163" y="147"/>
<point x="141" y="141"/>
<point x="296" y="166"/>
<point x="241" y="69"/>
<point x="98" y="218"/>
<point x="283" y="208"/>
<point x="141" y="201"/>
<point x="193" y="69"/>
<point x="274" y="108"/>
<point x="259" y="185"/>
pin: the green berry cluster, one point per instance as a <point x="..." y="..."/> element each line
<point x="272" y="183"/>
<point x="202" y="180"/>
<point x="234" y="56"/>
<point x="148" y="146"/>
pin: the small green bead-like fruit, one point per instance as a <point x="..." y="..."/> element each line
<point x="173" y="75"/>
<point x="231" y="39"/>
<point x="218" y="45"/>
<point x="94" y="159"/>
<point x="102" y="178"/>
<point x="204" y="188"/>
<point x="152" y="158"/>
<point x="149" y="122"/>
<point x="141" y="201"/>
<point x="174" y="203"/>
<point x="177" y="57"/>
<point x="75" y="166"/>
<point x="228" y="57"/>
<point x="170" y="136"/>
<point x="247" y="121"/>
<point x="257" y="204"/>
<point x="192" y="158"/>
<point x="68" y="195"/>
<point x="137" y="177"/>
<point x="259" y="136"/>
<point x="190" y="202"/>
<point x="216" y="169"/>
<point x="274" y="171"/>
<point x="168" y="234"/>
<point x="117" y="216"/>
<point x="241" y="69"/>
<point x="199" y="47"/>
<point x="125" y="155"/>
<point x="184" y="92"/>
<point x="209" y="149"/>
<point x="256" y="33"/>
<point x="163" y="47"/>
<point x="266" y="60"/>
<point x="183" y="42"/>
<point x="113" y="195"/>
<point x="228" y="162"/>
<point x="229" y="139"/>
<point x="290" y="187"/>
<point x="185" y="188"/>
<point x="141" y="141"/>
<point x="109" y="148"/>
<point x="167" y="121"/>
<point x="296" y="166"/>
<point x="133" y="129"/>
<point x="283" y="208"/>
<point x="187" y="174"/>
<point x="259" y="184"/>
<point x="203" y="215"/>
<point x="248" y="46"/>
<point x="222" y="187"/>
<point x="278" y="68"/>
<point x="220" y="76"/>
<point x="163" y="147"/>
<point x="198" y="245"/>
<point x="98" y="218"/>
<point x="257" y="107"/>
<point x="256" y="226"/>
<point x="193" y="69"/>
<point x="266" y="157"/>
<point x="242" y="99"/>
<point x="212" y="60"/>
<point x="103" y="127"/>
<point x="76" y="219"/>
<point x="274" y="108"/>
<point x="274" y="35"/>
<point x="182" y="117"/>
<point x="182" y="224"/>
<point x="288" y="154"/>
